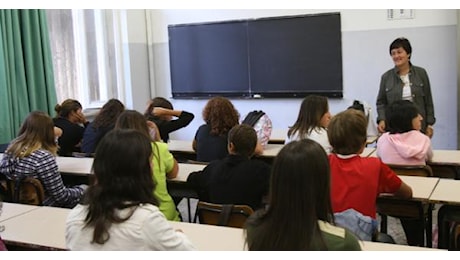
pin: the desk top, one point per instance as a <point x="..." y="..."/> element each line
<point x="42" y="228"/>
<point x="422" y="187"/>
<point x="212" y="238"/>
<point x="447" y="191"/>
<point x="446" y="157"/>
<point x="74" y="165"/>
<point x="271" y="150"/>
<point x="184" y="146"/>
<point x="10" y="210"/>
<point x="185" y="169"/>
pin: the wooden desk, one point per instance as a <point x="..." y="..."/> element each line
<point x="278" y="136"/>
<point x="185" y="169"/>
<point x="447" y="192"/>
<point x="74" y="165"/>
<point x="42" y="228"/>
<point x="181" y="146"/>
<point x="446" y="157"/>
<point x="371" y="139"/>
<point x="215" y="238"/>
<point x="185" y="147"/>
<point x="10" y="210"/>
<point x="212" y="238"/>
<point x="422" y="187"/>
<point x="375" y="246"/>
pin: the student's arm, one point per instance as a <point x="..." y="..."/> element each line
<point x="405" y="191"/>
<point x="174" y="171"/>
<point x="389" y="182"/>
<point x="183" y="118"/>
<point x="194" y="145"/>
<point x="259" y="149"/>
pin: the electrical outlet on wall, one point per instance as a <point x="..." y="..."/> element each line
<point x="397" y="14"/>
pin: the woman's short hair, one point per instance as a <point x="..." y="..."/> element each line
<point x="399" y="116"/>
<point x="401" y="42"/>
<point x="347" y="132"/>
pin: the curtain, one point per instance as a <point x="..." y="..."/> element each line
<point x="26" y="69"/>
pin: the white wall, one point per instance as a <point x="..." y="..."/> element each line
<point x="366" y="35"/>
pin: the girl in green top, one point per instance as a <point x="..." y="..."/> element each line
<point x="164" y="165"/>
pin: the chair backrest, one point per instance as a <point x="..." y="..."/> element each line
<point x="26" y="190"/>
<point x="412" y="170"/>
<point x="223" y="214"/>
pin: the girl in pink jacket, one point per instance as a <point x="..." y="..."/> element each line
<point x="404" y="143"/>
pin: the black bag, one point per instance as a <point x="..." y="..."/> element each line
<point x="357" y="105"/>
<point x="252" y="118"/>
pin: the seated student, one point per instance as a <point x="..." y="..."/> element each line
<point x="164" y="166"/>
<point x="103" y="123"/>
<point x="161" y="112"/>
<point x="33" y="153"/>
<point x="71" y="120"/>
<point x="356" y="182"/>
<point x="210" y="142"/>
<point x="236" y="179"/>
<point x="404" y="143"/>
<point x="120" y="212"/>
<point x="312" y="122"/>
<point x="299" y="214"/>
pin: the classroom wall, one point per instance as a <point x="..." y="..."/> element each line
<point x="366" y="35"/>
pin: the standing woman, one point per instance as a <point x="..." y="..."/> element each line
<point x="312" y="122"/>
<point x="101" y="125"/>
<point x="210" y="142"/>
<point x="408" y="82"/>
<point x="71" y="120"/>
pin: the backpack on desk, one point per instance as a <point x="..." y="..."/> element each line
<point x="260" y="121"/>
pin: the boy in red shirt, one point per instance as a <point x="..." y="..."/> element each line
<point x="357" y="181"/>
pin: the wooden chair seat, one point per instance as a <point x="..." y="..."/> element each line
<point x="223" y="214"/>
<point x="25" y="190"/>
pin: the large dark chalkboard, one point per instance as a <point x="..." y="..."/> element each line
<point x="278" y="57"/>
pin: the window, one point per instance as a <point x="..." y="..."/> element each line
<point x="87" y="56"/>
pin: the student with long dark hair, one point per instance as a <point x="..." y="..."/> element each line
<point x="312" y="122"/>
<point x="120" y="212"/>
<point x="299" y="215"/>
<point x="101" y="125"/>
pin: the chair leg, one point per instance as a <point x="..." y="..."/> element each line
<point x="429" y="227"/>
<point x="383" y="223"/>
<point x="189" y="211"/>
